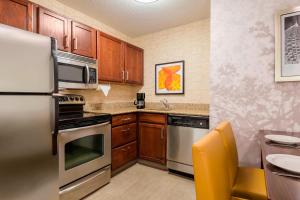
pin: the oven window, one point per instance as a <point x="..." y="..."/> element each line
<point x="71" y="73"/>
<point x="83" y="150"/>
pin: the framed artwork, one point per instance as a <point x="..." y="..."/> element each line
<point x="287" y="50"/>
<point x="169" y="78"/>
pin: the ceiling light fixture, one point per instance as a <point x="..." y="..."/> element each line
<point x="146" y="1"/>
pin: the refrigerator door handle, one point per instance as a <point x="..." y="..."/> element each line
<point x="54" y="121"/>
<point x="55" y="63"/>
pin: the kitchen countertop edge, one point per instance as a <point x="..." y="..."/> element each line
<point x="134" y="110"/>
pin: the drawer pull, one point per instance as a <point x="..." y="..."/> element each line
<point x="124" y="150"/>
<point x="126" y="119"/>
<point x="126" y="130"/>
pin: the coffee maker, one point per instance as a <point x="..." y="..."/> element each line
<point x="140" y="100"/>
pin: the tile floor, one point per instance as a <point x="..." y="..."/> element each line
<point x="145" y="183"/>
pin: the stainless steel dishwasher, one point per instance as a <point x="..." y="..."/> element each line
<point x="183" y="131"/>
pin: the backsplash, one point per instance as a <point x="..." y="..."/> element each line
<point x="117" y="93"/>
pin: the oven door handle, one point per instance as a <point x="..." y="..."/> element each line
<point x="87" y="74"/>
<point x="83" y="128"/>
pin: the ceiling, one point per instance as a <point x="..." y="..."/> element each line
<point x="136" y="19"/>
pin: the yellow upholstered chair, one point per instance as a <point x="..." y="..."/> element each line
<point x="211" y="177"/>
<point x="246" y="182"/>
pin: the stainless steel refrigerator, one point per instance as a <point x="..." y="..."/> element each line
<point x="28" y="161"/>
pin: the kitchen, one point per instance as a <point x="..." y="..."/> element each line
<point x="122" y="112"/>
<point x="111" y="96"/>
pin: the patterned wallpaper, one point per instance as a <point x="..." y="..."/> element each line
<point x="190" y="42"/>
<point x="243" y="90"/>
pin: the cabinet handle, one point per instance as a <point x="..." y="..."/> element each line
<point x="126" y="75"/>
<point x="66" y="41"/>
<point x="124" y="150"/>
<point x="123" y="75"/>
<point x="75" y="44"/>
<point x="126" y="119"/>
<point x="162" y="133"/>
<point x="126" y="130"/>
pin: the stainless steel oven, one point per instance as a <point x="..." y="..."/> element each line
<point x="76" y="72"/>
<point x="84" y="149"/>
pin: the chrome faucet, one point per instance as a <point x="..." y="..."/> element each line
<point x="165" y="103"/>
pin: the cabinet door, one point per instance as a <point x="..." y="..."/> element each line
<point x="152" y="142"/>
<point x="124" y="154"/>
<point x="83" y="40"/>
<point x="123" y="134"/>
<point x="53" y="25"/>
<point x="17" y="13"/>
<point x="134" y="64"/>
<point x="111" y="58"/>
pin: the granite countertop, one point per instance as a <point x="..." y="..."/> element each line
<point x="118" y="111"/>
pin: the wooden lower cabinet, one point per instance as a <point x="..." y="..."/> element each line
<point x="152" y="142"/>
<point x="123" y="155"/>
<point x="118" y="120"/>
<point x="123" y="134"/>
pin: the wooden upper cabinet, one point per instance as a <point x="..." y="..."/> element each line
<point x="110" y="58"/>
<point x="83" y="40"/>
<point x="134" y="64"/>
<point x="152" y="142"/>
<point x="53" y="25"/>
<point x="17" y="13"/>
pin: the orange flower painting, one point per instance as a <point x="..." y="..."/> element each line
<point x="169" y="78"/>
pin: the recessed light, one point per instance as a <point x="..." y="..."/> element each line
<point x="146" y="1"/>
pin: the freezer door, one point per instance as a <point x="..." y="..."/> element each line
<point x="28" y="168"/>
<point x="26" y="64"/>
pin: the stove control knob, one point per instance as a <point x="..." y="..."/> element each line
<point x="81" y="99"/>
<point x="71" y="98"/>
<point x="76" y="98"/>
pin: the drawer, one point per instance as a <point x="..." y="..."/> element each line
<point x="124" y="154"/>
<point x="153" y="118"/>
<point x="123" y="134"/>
<point x="123" y="119"/>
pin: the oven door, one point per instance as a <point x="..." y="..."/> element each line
<point x="82" y="151"/>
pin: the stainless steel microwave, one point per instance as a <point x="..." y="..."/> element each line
<point x="76" y="72"/>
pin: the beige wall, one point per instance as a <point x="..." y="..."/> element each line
<point x="242" y="74"/>
<point x="189" y="42"/>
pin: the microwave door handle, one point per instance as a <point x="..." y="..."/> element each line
<point x="87" y="74"/>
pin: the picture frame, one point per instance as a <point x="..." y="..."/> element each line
<point x="169" y="78"/>
<point x="287" y="45"/>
